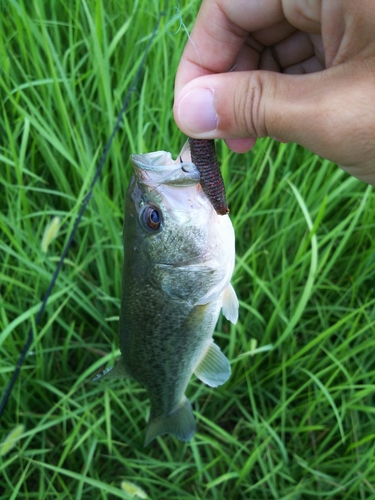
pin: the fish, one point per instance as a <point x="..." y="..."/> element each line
<point x="179" y="257"/>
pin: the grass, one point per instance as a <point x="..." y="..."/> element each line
<point x="296" y="419"/>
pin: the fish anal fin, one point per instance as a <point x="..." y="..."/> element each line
<point x="214" y="368"/>
<point x="111" y="373"/>
<point x="230" y="304"/>
<point x="180" y="423"/>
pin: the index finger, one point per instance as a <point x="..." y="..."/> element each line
<point x="219" y="32"/>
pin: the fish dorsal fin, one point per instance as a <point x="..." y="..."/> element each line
<point x="179" y="422"/>
<point x="230" y="304"/>
<point x="110" y="373"/>
<point x="214" y="368"/>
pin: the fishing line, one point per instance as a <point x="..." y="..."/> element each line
<point x="203" y="152"/>
<point x="80" y="215"/>
<point x="178" y="17"/>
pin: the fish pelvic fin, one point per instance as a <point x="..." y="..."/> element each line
<point x="110" y="373"/>
<point x="230" y="304"/>
<point x="180" y="423"/>
<point x="214" y="368"/>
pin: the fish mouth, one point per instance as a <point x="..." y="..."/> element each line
<point x="154" y="169"/>
<point x="158" y="160"/>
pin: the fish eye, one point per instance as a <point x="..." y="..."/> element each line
<point x="152" y="217"/>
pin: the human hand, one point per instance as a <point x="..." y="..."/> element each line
<point x="314" y="84"/>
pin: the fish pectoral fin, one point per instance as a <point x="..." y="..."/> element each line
<point x="230" y="304"/>
<point x="214" y="368"/>
<point x="118" y="371"/>
<point x="180" y="423"/>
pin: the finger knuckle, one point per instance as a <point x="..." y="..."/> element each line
<point x="251" y="106"/>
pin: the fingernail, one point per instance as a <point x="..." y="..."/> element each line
<point x="196" y="111"/>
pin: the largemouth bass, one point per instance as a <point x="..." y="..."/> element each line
<point x="179" y="259"/>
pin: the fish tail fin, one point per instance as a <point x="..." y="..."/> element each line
<point x="110" y="373"/>
<point x="180" y="423"/>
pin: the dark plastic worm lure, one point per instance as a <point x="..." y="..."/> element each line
<point x="203" y="155"/>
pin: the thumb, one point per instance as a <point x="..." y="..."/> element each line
<point x="238" y="104"/>
<point x="321" y="111"/>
